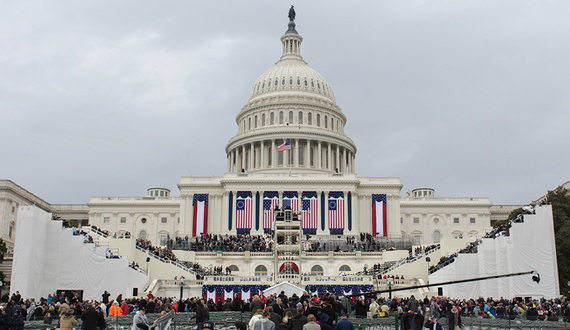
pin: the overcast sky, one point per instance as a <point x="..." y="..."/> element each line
<point x="108" y="98"/>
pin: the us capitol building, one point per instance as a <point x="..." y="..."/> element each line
<point x="292" y="108"/>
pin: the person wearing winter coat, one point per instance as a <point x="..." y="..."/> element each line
<point x="140" y="322"/>
<point x="264" y="323"/>
<point x="67" y="321"/>
<point x="323" y="322"/>
<point x="124" y="308"/>
<point x="115" y="309"/>
<point x="255" y="318"/>
<point x="298" y="320"/>
<point x="5" y="320"/>
<point x="454" y="318"/>
<point x="17" y="322"/>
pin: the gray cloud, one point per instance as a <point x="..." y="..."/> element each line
<point x="107" y="98"/>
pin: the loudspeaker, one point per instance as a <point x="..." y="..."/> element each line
<point x="440" y="291"/>
<point x="135" y="292"/>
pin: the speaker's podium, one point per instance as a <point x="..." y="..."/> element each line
<point x="287" y="228"/>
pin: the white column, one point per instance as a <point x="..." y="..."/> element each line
<point x="272" y="155"/>
<point x="308" y="154"/>
<point x="296" y="154"/>
<point x="329" y="158"/>
<point x="319" y="156"/>
<point x="242" y="158"/>
<point x="344" y="161"/>
<point x="250" y="167"/>
<point x="338" y="158"/>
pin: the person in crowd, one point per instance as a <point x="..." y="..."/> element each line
<point x="47" y="319"/>
<point x="67" y="321"/>
<point x="91" y="318"/>
<point x="257" y="304"/>
<point x="115" y="310"/>
<point x="274" y="317"/>
<point x="374" y="308"/>
<point x="284" y="325"/>
<point x="345" y="305"/>
<point x="454" y="319"/>
<point x="264" y="323"/>
<point x="5" y="320"/>
<point x="311" y="323"/>
<point x="344" y="323"/>
<point x="124" y="308"/>
<point x="202" y="314"/>
<point x="432" y="323"/>
<point x="360" y="308"/>
<point x="298" y="320"/>
<point x="140" y="321"/>
<point x="255" y="318"/>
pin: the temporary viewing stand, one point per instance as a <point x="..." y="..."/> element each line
<point x="287" y="233"/>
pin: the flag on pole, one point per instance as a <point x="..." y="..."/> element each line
<point x="200" y="222"/>
<point x="336" y="213"/>
<point x="310" y="213"/>
<point x="285" y="146"/>
<point x="243" y="212"/>
<point x="270" y="202"/>
<point x="379" y="223"/>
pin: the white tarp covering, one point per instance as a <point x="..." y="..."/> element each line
<point x="285" y="286"/>
<point x="530" y="246"/>
<point x="48" y="257"/>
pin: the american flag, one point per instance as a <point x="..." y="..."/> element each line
<point x="291" y="200"/>
<point x="336" y="213"/>
<point x="269" y="205"/>
<point x="243" y="213"/>
<point x="200" y="208"/>
<point x="285" y="146"/>
<point x="379" y="223"/>
<point x="310" y="213"/>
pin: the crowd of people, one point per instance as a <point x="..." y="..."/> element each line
<point x="226" y="243"/>
<point x="285" y="312"/>
<point x="161" y="252"/>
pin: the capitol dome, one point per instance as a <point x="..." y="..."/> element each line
<point x="291" y="103"/>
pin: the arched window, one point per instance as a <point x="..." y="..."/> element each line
<point x="255" y="122"/>
<point x="317" y="270"/>
<point x="269" y="156"/>
<point x="249" y="123"/>
<point x="310" y="118"/>
<point x="260" y="270"/>
<point x="332" y="124"/>
<point x="11" y="230"/>
<point x="326" y="122"/>
<point x="436" y="236"/>
<point x="272" y="119"/>
<point x="301" y="155"/>
<point x="263" y="120"/>
<point x="300" y="117"/>
<point x="233" y="268"/>
<point x="318" y="119"/>
<point x="312" y="156"/>
<point x="280" y="117"/>
<point x="280" y="158"/>
<point x="142" y="234"/>
<point x="290" y="117"/>
<point x="345" y="268"/>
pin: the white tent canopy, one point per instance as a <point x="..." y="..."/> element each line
<point x="287" y="287"/>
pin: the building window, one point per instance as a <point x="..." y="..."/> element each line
<point x="272" y="119"/>
<point x="326" y="121"/>
<point x="471" y="220"/>
<point x="13" y="209"/>
<point x="436" y="220"/>
<point x="318" y="120"/>
<point x="310" y="118"/>
<point x="301" y="155"/>
<point x="300" y="118"/>
<point x="163" y="239"/>
<point x="263" y="120"/>
<point x="455" y="220"/>
<point x="178" y="220"/>
<point x="163" y="220"/>
<point x="317" y="270"/>
<point x="260" y="270"/>
<point x="401" y="220"/>
<point x="312" y="156"/>
<point x="416" y="220"/>
<point x="123" y="219"/>
<point x="280" y="117"/>
<point x="255" y="122"/>
<point x="233" y="268"/>
<point x="290" y="117"/>
<point x="344" y="268"/>
<point x="436" y="236"/>
<point x="11" y="230"/>
<point x="249" y="123"/>
<point x="106" y="220"/>
<point x="142" y="235"/>
<point x="280" y="158"/>
<point x="143" y="220"/>
<point x="269" y="156"/>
